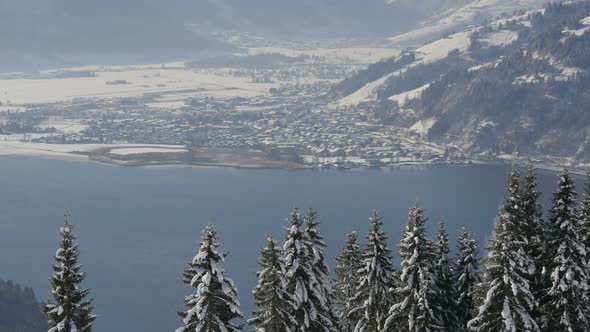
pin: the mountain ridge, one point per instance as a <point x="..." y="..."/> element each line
<point x="517" y="85"/>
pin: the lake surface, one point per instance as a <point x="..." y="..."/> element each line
<point x="138" y="227"/>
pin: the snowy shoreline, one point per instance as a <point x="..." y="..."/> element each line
<point x="100" y="153"/>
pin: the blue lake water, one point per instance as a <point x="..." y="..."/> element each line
<point x="137" y="227"/>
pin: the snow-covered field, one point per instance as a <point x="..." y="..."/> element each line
<point x="167" y="105"/>
<point x="440" y="49"/>
<point x="143" y="149"/>
<point x="357" y="55"/>
<point x="500" y="38"/>
<point x="366" y="93"/>
<point x="63" y="150"/>
<point x="402" y="98"/>
<point x="423" y="126"/>
<point x="63" y="125"/>
<point x="128" y="81"/>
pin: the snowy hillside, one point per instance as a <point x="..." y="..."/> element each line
<point x="458" y="18"/>
<point x="518" y="84"/>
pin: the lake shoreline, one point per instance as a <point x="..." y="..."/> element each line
<point x="176" y="155"/>
<point x="140" y="163"/>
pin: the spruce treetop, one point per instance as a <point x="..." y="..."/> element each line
<point x="416" y="309"/>
<point x="508" y="304"/>
<point x="376" y="277"/>
<point x="70" y="309"/>
<point x="270" y="296"/>
<point x="466" y="276"/>
<point x="214" y="306"/>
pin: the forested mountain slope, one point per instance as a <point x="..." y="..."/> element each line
<point x="518" y="84"/>
<point x="19" y="309"/>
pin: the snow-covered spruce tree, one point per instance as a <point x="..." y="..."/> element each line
<point x="348" y="264"/>
<point x="534" y="230"/>
<point x="466" y="277"/>
<point x="214" y="306"/>
<point x="444" y="271"/>
<point x="376" y="277"/>
<point x="322" y="297"/>
<point x="567" y="305"/>
<point x="532" y="214"/>
<point x="584" y="216"/>
<point x="270" y="297"/>
<point x="302" y="285"/>
<point x="70" y="310"/>
<point x="508" y="303"/>
<point x="416" y="309"/>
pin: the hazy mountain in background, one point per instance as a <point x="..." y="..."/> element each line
<point x="519" y="84"/>
<point x="457" y="15"/>
<point x="42" y="33"/>
<point x="51" y="33"/>
<point x="19" y="309"/>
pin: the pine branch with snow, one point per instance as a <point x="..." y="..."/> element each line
<point x="70" y="310"/>
<point x="214" y="305"/>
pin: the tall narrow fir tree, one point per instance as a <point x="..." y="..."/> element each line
<point x="444" y="270"/>
<point x="567" y="305"/>
<point x="534" y="230"/>
<point x="376" y="277"/>
<point x="270" y="296"/>
<point x="70" y="310"/>
<point x="302" y="285"/>
<point x="348" y="263"/>
<point x="584" y="217"/>
<point x="466" y="277"/>
<point x="214" y="306"/>
<point x="509" y="303"/>
<point x="416" y="309"/>
<point x="322" y="296"/>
